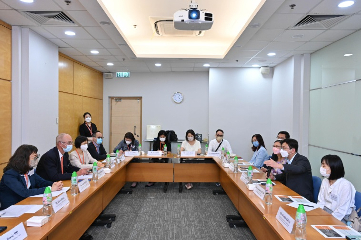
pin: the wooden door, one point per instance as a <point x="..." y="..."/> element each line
<point x="125" y="116"/>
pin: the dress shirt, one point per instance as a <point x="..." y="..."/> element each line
<point x="339" y="197"/>
<point x="75" y="161"/>
<point x="214" y="144"/>
<point x="191" y="148"/>
<point x="259" y="156"/>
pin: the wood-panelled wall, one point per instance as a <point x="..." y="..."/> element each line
<point x="80" y="90"/>
<point x="5" y="94"/>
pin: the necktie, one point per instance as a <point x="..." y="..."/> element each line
<point x="61" y="162"/>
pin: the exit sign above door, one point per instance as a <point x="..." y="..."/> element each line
<point x="123" y="74"/>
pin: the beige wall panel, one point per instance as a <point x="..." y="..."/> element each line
<point x="78" y="78"/>
<point x="100" y="86"/>
<point x="78" y="113"/>
<point x="5" y="52"/>
<point x="88" y="83"/>
<point x="67" y="121"/>
<point x="66" y="75"/>
<point x="91" y="105"/>
<point x="100" y="114"/>
<point x="5" y="120"/>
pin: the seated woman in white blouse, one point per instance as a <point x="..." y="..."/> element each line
<point x="191" y="144"/>
<point x="337" y="195"/>
<point x="81" y="158"/>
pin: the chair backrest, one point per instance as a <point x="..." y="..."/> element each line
<point x="316" y="187"/>
<point x="358" y="201"/>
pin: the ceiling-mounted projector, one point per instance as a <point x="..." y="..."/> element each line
<point x="193" y="19"/>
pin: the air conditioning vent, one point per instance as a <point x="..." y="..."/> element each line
<point x="164" y="27"/>
<point x="51" y="18"/>
<point x="108" y="75"/>
<point x="319" y="21"/>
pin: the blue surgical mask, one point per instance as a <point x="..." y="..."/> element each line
<point x="99" y="141"/>
<point x="256" y="143"/>
<point x="68" y="148"/>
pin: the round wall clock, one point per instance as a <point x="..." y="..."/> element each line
<point x="177" y="97"/>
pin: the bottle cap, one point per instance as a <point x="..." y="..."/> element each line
<point x="108" y="155"/>
<point x="250" y="168"/>
<point x="206" y="145"/>
<point x="47" y="190"/>
<point x="178" y="145"/>
<point x="301" y="209"/>
<point x="74" y="174"/>
<point x="269" y="181"/>
<point x="95" y="164"/>
<point x="165" y="145"/>
<point x="117" y="151"/>
<point x="140" y="145"/>
<point x="222" y="148"/>
<point x="228" y="152"/>
<point x="235" y="158"/>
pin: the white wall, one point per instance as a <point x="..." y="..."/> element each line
<point x="156" y="90"/>
<point x="35" y="92"/>
<point x="240" y="103"/>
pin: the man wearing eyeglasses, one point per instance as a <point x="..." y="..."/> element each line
<point x="217" y="144"/>
<point x="54" y="165"/>
<point x="96" y="148"/>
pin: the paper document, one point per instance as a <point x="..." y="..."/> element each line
<point x="18" y="210"/>
<point x="54" y="194"/>
<point x="334" y="231"/>
<point x="85" y="176"/>
<point x="299" y="199"/>
<point x="308" y="206"/>
<point x="283" y="198"/>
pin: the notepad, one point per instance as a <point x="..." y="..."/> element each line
<point x="37" y="221"/>
<point x="55" y="193"/>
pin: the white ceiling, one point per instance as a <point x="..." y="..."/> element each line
<point x="269" y="31"/>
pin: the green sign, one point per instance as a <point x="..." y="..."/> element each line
<point x="123" y="74"/>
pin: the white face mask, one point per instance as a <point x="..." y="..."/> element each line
<point x="162" y="139"/>
<point x="190" y="138"/>
<point x="88" y="119"/>
<point x="128" y="142"/>
<point x="84" y="147"/>
<point x="33" y="163"/>
<point x="284" y="153"/>
<point x="323" y="172"/>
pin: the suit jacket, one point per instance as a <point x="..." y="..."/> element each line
<point x="84" y="130"/>
<point x="13" y="187"/>
<point x="298" y="176"/>
<point x="49" y="166"/>
<point x="93" y="151"/>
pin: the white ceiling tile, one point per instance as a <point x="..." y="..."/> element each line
<point x="38" y="5"/>
<point x="143" y="69"/>
<point x="302" y="6"/>
<point x="275" y="46"/>
<point x="120" y="57"/>
<point x="81" y="58"/>
<point x="267" y="34"/>
<point x="331" y="7"/>
<point x="116" y="52"/>
<point x="151" y="64"/>
<point x="91" y="64"/>
<point x="185" y="69"/>
<point x="59" y="42"/>
<point x="160" y="69"/>
<point x="4" y="6"/>
<point x="104" y="64"/>
<point x="83" y="43"/>
<point x="139" y="70"/>
<point x="93" y="7"/>
<point x="59" y="32"/>
<point x="70" y="52"/>
<point x="181" y="65"/>
<point x="108" y="58"/>
<point x="83" y="18"/>
<point x="74" y="5"/>
<point x="42" y="32"/>
<point x="201" y="69"/>
<point x="101" y="69"/>
<point x="200" y="65"/>
<point x="332" y="35"/>
<point x="255" y="45"/>
<point x="307" y="35"/>
<point x="353" y="22"/>
<point x="293" y="53"/>
<point x="235" y="64"/>
<point x="263" y="54"/>
<point x="108" y="43"/>
<point x="282" y="21"/>
<point x="97" y="32"/>
<point x="86" y="51"/>
<point x="14" y="18"/>
<point x="136" y="63"/>
<point x="241" y="54"/>
<point x="313" y="46"/>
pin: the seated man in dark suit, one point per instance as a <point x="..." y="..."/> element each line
<point x="95" y="148"/>
<point x="297" y="173"/>
<point x="54" y="165"/>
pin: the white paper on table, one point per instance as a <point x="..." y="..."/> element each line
<point x="18" y="233"/>
<point x="131" y="153"/>
<point x="308" y="206"/>
<point x="255" y="171"/>
<point x="226" y="165"/>
<point x="283" y="198"/>
<point x="299" y="199"/>
<point x="155" y="153"/>
<point x="54" y="194"/>
<point x="188" y="153"/>
<point x="14" y="211"/>
<point x="214" y="154"/>
<point x="34" y="208"/>
<point x="334" y="231"/>
<point x="244" y="163"/>
<point x="85" y="176"/>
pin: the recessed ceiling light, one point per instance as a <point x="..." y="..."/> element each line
<point x="206" y="65"/>
<point x="297" y="36"/>
<point x="346" y="4"/>
<point x="348" y="54"/>
<point x="69" y="33"/>
<point x="27" y="1"/>
<point x="271" y="54"/>
<point x="110" y="64"/>
<point x="94" y="51"/>
<point x="158" y="64"/>
<point x="255" y="65"/>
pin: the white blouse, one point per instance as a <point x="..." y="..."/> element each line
<point x="188" y="147"/>
<point x="85" y="161"/>
<point x="339" y="197"/>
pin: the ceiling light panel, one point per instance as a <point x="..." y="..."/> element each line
<point x="215" y="43"/>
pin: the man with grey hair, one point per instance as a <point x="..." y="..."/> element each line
<point x="54" y="165"/>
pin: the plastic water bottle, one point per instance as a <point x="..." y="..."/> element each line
<point x="140" y="149"/>
<point x="74" y="184"/>
<point x="107" y="161"/>
<point x="178" y="150"/>
<point x="206" y="149"/>
<point x="250" y="174"/>
<point x="269" y="189"/>
<point x="95" y="172"/>
<point x="47" y="199"/>
<point x="223" y="154"/>
<point x="301" y="221"/>
<point x="228" y="157"/>
<point x="165" y="149"/>
<point x="235" y="164"/>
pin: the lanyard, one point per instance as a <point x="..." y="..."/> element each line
<point x="80" y="157"/>
<point x="89" y="128"/>
<point x="129" y="147"/>
<point x="161" y="146"/>
<point x="26" y="179"/>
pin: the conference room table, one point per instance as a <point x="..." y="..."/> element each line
<point x="76" y="217"/>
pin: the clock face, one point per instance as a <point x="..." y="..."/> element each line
<point x="177" y="97"/>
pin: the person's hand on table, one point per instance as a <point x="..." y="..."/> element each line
<point x="264" y="169"/>
<point x="57" y="186"/>
<point x="100" y="164"/>
<point x="83" y="171"/>
<point x="271" y="163"/>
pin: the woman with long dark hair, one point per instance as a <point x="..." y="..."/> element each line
<point x="260" y="153"/>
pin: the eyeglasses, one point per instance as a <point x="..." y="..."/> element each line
<point x="100" y="137"/>
<point x="68" y="143"/>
